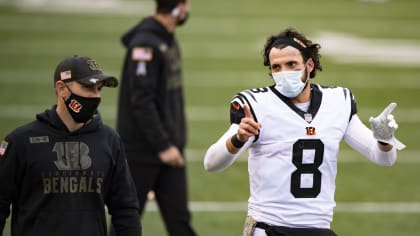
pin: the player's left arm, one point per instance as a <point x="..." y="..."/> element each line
<point x="360" y="138"/>
<point x="367" y="142"/>
<point x="384" y="126"/>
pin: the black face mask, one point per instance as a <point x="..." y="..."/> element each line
<point x="181" y="21"/>
<point x="80" y="108"/>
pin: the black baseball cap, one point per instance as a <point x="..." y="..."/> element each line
<point x="84" y="70"/>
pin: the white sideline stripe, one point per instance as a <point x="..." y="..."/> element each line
<point x="196" y="113"/>
<point x="354" y="207"/>
<point x="358" y="49"/>
<point x="229" y="79"/>
<point x="82" y="6"/>
<point x="344" y="156"/>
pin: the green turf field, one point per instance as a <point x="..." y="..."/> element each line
<point x="372" y="47"/>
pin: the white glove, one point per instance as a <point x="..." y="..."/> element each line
<point x="384" y="126"/>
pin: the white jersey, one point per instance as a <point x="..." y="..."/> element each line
<point x="292" y="163"/>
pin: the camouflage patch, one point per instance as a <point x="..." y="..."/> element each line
<point x="39" y="139"/>
<point x="249" y="226"/>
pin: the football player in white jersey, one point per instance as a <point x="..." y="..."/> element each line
<point x="292" y="130"/>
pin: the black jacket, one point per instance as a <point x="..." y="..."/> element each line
<point x="59" y="182"/>
<point x="151" y="106"/>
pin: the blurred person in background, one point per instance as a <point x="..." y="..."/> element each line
<point x="60" y="171"/>
<point x="151" y="118"/>
<point x="293" y="130"/>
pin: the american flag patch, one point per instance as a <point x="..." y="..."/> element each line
<point x="65" y="75"/>
<point x="142" y="54"/>
<point x="3" y="147"/>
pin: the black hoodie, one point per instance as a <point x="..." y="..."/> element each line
<point x="59" y="182"/>
<point x="151" y="107"/>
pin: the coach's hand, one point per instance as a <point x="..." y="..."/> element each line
<point x="172" y="156"/>
<point x="384" y="126"/>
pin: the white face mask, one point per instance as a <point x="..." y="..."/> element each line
<point x="289" y="83"/>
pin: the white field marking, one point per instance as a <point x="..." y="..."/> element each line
<point x="195" y="113"/>
<point x="347" y="48"/>
<point x="344" y="48"/>
<point x="344" y="156"/>
<point x="374" y="1"/>
<point x="345" y="207"/>
<point x="229" y="79"/>
<point x="91" y="6"/>
<point x="252" y="79"/>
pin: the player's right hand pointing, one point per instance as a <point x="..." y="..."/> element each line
<point x="248" y="126"/>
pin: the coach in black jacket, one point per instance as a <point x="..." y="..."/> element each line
<point x="60" y="171"/>
<point x="151" y="119"/>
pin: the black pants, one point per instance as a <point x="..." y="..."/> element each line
<point x="285" y="231"/>
<point x="170" y="187"/>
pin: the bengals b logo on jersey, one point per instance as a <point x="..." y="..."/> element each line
<point x="75" y="106"/>
<point x="310" y="131"/>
